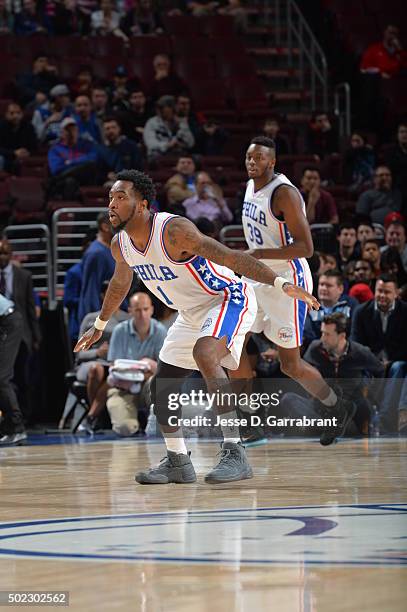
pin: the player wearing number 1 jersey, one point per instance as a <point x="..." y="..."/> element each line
<point x="195" y="275"/>
<point x="277" y="232"/>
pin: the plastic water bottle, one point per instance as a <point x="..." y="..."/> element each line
<point x="374" y="425"/>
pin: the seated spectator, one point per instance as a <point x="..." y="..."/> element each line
<point x="83" y="83"/>
<point x="365" y="231"/>
<point x="359" y="163"/>
<point x="320" y="205"/>
<point x="363" y="281"/>
<point x="332" y="299"/>
<point x="371" y="252"/>
<point x="107" y="21"/>
<point x="327" y="261"/>
<point x="165" y="81"/>
<point x="30" y="20"/>
<point x="380" y="325"/>
<point x="396" y="159"/>
<point x="386" y="57"/>
<point x="183" y="110"/>
<point x="86" y="120"/>
<point x="136" y="116"/>
<point x="139" y="338"/>
<point x="211" y="138"/>
<point x="120" y="87"/>
<point x="181" y="185"/>
<point x="67" y="18"/>
<point x="343" y="361"/>
<point x="347" y="248"/>
<point x="322" y="138"/>
<point x="118" y="152"/>
<point x="383" y="199"/>
<point x="48" y="117"/>
<point x="100" y="104"/>
<point x="391" y="264"/>
<point x="42" y="77"/>
<point x="271" y="129"/>
<point x="208" y="202"/>
<point x="86" y="8"/>
<point x="17" y="138"/>
<point x="97" y="267"/>
<point x="165" y="133"/>
<point x="92" y="364"/>
<point x="141" y="19"/>
<point x="6" y="18"/>
<point x="396" y="239"/>
<point x="234" y="9"/>
<point x="72" y="162"/>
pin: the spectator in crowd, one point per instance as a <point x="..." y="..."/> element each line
<point x="322" y="136"/>
<point x="72" y="290"/>
<point x="165" y="133"/>
<point x="83" y="83"/>
<point x="30" y="20"/>
<point x="86" y="120"/>
<point x="344" y="361"/>
<point x="234" y="9"/>
<point x="181" y="185"/>
<point x="100" y="104"/>
<point x="136" y="116"/>
<point x="86" y="7"/>
<point x="120" y="87"/>
<point x="320" y="205"/>
<point x="271" y="129"/>
<point x="16" y="285"/>
<point x="183" y="109"/>
<point x="347" y="247"/>
<point x="48" y="117"/>
<point x="6" y="18"/>
<point x="165" y="81"/>
<point x="383" y="199"/>
<point x="363" y="277"/>
<point x="387" y="57"/>
<point x="359" y="163"/>
<point x="92" y="365"/>
<point x="98" y="266"/>
<point x="140" y="19"/>
<point x="332" y="299"/>
<point x="72" y="163"/>
<point x="42" y="77"/>
<point x="380" y="325"/>
<point x="118" y="152"/>
<point x="371" y="252"/>
<point x="365" y="231"/>
<point x="67" y="19"/>
<point x="12" y="429"/>
<point x="396" y="158"/>
<point x="327" y="261"/>
<point x="396" y="239"/>
<point x="17" y="138"/>
<point x="139" y="338"/>
<point x="107" y="21"/>
<point x="391" y="263"/>
<point x="211" y="138"/>
<point x="208" y="202"/>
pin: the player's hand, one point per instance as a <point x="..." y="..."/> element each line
<point x="90" y="337"/>
<point x="298" y="293"/>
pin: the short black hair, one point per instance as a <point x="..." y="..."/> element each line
<point x="109" y="118"/>
<point x="264" y="141"/>
<point x="348" y="225"/>
<point x="375" y="241"/>
<point x="142" y="183"/>
<point x="366" y="223"/>
<point x="311" y="169"/>
<point x="339" y="320"/>
<point x="334" y="274"/>
<point x="388" y="278"/>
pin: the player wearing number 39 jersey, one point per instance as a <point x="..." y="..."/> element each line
<point x="278" y="234"/>
<point x="195" y="275"/>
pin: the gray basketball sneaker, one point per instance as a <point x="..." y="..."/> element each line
<point x="233" y="465"/>
<point x="174" y="467"/>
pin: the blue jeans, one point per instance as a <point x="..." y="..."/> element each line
<point x="395" y="394"/>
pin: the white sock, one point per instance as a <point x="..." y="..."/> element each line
<point x="231" y="433"/>
<point x="175" y="443"/>
<point x="330" y="399"/>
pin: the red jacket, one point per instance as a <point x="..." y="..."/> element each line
<point x="376" y="58"/>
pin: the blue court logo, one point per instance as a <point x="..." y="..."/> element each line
<point x="368" y="535"/>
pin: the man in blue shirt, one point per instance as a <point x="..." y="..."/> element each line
<point x="118" y="152"/>
<point x="139" y="338"/>
<point x="86" y="120"/>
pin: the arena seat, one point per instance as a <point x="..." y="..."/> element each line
<point x="181" y="25"/>
<point x="208" y="93"/>
<point x="105" y="46"/>
<point x="27" y="194"/>
<point x="149" y="45"/>
<point x="218" y="25"/>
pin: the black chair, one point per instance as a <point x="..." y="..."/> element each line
<point x="78" y="389"/>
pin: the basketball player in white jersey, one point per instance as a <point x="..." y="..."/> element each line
<point x="277" y="232"/>
<point x="187" y="271"/>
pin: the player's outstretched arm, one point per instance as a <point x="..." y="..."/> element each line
<point x="185" y="236"/>
<point x="117" y="290"/>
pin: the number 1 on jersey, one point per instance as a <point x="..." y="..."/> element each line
<point x="166" y="298"/>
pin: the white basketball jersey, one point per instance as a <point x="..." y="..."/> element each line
<point x="262" y="229"/>
<point x="180" y="285"/>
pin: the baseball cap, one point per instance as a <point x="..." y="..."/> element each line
<point x="392" y="217"/>
<point x="67" y="121"/>
<point x="120" y="71"/>
<point x="59" y="90"/>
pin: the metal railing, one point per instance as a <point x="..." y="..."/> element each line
<point x="32" y="247"/>
<point x="69" y="227"/>
<point x="309" y="63"/>
<point x="342" y="109"/>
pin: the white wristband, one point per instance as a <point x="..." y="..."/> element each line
<point x="279" y="281"/>
<point x="99" y="324"/>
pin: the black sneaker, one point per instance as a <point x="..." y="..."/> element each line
<point x="175" y="467"/>
<point x="233" y="465"/>
<point x="344" y="410"/>
<point x="254" y="436"/>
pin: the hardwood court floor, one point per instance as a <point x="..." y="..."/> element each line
<point x="317" y="529"/>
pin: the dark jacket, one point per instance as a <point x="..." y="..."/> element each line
<point x="11" y="138"/>
<point x="23" y="299"/>
<point x="367" y="329"/>
<point x="312" y="328"/>
<point x="122" y="155"/>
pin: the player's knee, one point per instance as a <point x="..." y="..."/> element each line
<point x="205" y="354"/>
